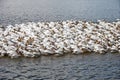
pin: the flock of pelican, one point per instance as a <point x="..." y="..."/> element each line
<point x="43" y="38"/>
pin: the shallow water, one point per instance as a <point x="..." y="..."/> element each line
<point x="21" y="11"/>
<point x="68" y="67"/>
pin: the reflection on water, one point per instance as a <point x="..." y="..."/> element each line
<point x="17" y="11"/>
<point x="69" y="67"/>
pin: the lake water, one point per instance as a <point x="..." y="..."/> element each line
<point x="69" y="67"/>
<point x="21" y="11"/>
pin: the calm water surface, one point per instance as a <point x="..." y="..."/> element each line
<point x="69" y="67"/>
<point x="20" y="11"/>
